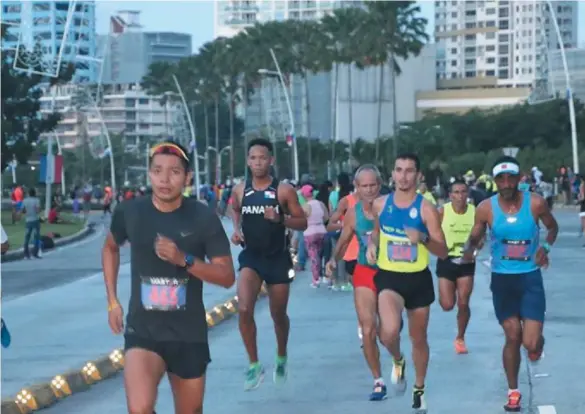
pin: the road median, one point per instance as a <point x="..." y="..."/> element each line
<point x="46" y="394"/>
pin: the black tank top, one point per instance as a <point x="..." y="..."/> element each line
<point x="262" y="236"/>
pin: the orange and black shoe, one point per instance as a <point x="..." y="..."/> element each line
<point x="513" y="404"/>
<point x="535" y="356"/>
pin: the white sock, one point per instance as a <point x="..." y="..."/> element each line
<point x="510" y="391"/>
<point x="379" y="381"/>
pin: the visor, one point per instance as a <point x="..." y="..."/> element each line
<point x="506" y="168"/>
<point x="167" y="148"/>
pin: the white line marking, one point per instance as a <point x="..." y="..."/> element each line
<point x="547" y="409"/>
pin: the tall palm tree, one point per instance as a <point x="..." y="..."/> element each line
<point x="397" y="26"/>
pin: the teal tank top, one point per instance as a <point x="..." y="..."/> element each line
<point x="363" y="228"/>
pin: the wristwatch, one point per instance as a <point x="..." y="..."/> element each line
<point x="189" y="261"/>
<point x="546" y="247"/>
<point x="425" y="239"/>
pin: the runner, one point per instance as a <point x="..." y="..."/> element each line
<point x="455" y="277"/>
<point x="259" y="208"/>
<point x="170" y="238"/>
<point x="358" y="222"/>
<point x="516" y="259"/>
<point x="406" y="228"/>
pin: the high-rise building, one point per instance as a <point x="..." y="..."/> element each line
<point x="498" y="43"/>
<point x="127" y="50"/>
<point x="44" y="23"/>
<point x="232" y="16"/>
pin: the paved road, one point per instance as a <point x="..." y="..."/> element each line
<point x="328" y="372"/>
<point x="62" y="323"/>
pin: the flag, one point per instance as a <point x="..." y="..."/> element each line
<point x="289" y="140"/>
<point x="50" y="169"/>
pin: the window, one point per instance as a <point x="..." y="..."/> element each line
<point x="490" y="60"/>
<point x="491" y="10"/>
<point x="130" y="103"/>
<point x="504" y="61"/>
<point x="504" y="13"/>
<point x="503" y="38"/>
<point x="503" y="49"/>
<point x="470" y="37"/>
<point x="490" y="73"/>
<point x="470" y="74"/>
<point x="470" y="61"/>
<point x="12" y="9"/>
<point x="503" y="74"/>
<point x="490" y="23"/>
<point x="453" y="63"/>
<point x="490" y="35"/>
<point x="470" y="13"/>
<point x="143" y="101"/>
<point x="454" y="50"/>
<point x="504" y="24"/>
<point x="490" y="48"/>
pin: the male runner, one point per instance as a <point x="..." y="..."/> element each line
<point x="407" y="227"/>
<point x="455" y="277"/>
<point x="166" y="330"/>
<point x="259" y="208"/>
<point x="516" y="258"/>
<point x="359" y="223"/>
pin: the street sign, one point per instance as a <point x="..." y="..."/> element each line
<point x="510" y="151"/>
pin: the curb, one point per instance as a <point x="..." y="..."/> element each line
<point x="63" y="241"/>
<point x="39" y="396"/>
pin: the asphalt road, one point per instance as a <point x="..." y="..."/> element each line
<point x="328" y="373"/>
<point x="55" y="309"/>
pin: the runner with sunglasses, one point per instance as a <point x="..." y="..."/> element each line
<point x="170" y="239"/>
<point x="262" y="210"/>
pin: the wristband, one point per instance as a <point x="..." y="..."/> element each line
<point x="113" y="306"/>
<point x="546" y="247"/>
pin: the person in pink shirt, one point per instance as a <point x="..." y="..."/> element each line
<point x="314" y="235"/>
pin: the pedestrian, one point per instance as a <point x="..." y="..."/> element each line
<point x="31" y="207"/>
<point x="314" y="235"/>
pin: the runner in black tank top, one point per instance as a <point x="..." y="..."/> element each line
<point x="262" y="211"/>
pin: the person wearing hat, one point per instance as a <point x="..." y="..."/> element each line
<point x="517" y="255"/>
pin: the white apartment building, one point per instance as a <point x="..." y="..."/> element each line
<point x="125" y="109"/>
<point x="498" y="43"/>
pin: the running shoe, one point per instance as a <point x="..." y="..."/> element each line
<point x="398" y="375"/>
<point x="535" y="356"/>
<point x="314" y="284"/>
<point x="254" y="376"/>
<point x="513" y="404"/>
<point x="419" y="403"/>
<point x="347" y="287"/>
<point x="460" y="346"/>
<point x="280" y="370"/>
<point x="379" y="393"/>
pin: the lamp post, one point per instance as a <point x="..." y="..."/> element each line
<point x="218" y="155"/>
<point x="568" y="86"/>
<point x="290" y="111"/>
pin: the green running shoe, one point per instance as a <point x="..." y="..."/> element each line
<point x="254" y="376"/>
<point x="280" y="370"/>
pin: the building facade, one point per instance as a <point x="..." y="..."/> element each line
<point x="498" y="43"/>
<point x="125" y="109"/>
<point x="127" y="50"/>
<point x="44" y="23"/>
<point x="576" y="65"/>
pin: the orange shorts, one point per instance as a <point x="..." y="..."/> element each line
<point x="363" y="276"/>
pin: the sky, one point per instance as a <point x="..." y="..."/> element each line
<point x="196" y="16"/>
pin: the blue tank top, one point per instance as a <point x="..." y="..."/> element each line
<point x="515" y="238"/>
<point x="363" y="229"/>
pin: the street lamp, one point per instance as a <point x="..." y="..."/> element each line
<point x="568" y="86"/>
<point x="278" y="73"/>
<point x="218" y="155"/>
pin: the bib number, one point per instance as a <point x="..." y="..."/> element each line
<point x="516" y="250"/>
<point x="403" y="252"/>
<point x="161" y="294"/>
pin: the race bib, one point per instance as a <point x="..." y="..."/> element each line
<point x="517" y="250"/>
<point x="404" y="252"/>
<point x="162" y="294"/>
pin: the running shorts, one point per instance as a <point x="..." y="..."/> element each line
<point x="274" y="269"/>
<point x="582" y="209"/>
<point x="415" y="288"/>
<point x="453" y="271"/>
<point x="363" y="276"/>
<point x="350" y="266"/>
<point x="518" y="295"/>
<point x="187" y="360"/>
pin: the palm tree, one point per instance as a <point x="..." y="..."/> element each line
<point x="397" y="27"/>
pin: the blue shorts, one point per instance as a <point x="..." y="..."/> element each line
<point x="18" y="205"/>
<point x="519" y="295"/>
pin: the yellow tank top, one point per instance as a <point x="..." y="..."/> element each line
<point x="457" y="228"/>
<point x="396" y="253"/>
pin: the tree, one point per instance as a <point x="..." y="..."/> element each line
<point x="21" y="92"/>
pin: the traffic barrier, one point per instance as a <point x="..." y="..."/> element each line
<point x="61" y="386"/>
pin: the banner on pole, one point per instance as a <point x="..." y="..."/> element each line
<point x="50" y="169"/>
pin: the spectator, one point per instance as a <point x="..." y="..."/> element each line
<point x="31" y="209"/>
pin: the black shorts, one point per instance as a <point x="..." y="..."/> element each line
<point x="453" y="271"/>
<point x="350" y="266"/>
<point x="274" y="269"/>
<point x="187" y="360"/>
<point x="416" y="288"/>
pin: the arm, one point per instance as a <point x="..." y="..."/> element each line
<point x="297" y="219"/>
<point x="436" y="244"/>
<point x="334" y="223"/>
<point x="376" y="208"/>
<point x="347" y="234"/>
<point x="237" y="206"/>
<point x="477" y="234"/>
<point x="111" y="254"/>
<point x="441" y="214"/>
<point x="542" y="211"/>
<point x="220" y="269"/>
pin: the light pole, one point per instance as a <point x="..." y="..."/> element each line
<point x="193" y="143"/>
<point x="290" y="111"/>
<point x="218" y="155"/>
<point x="553" y="17"/>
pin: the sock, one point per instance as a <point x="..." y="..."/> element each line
<point x="379" y="381"/>
<point x="400" y="361"/>
<point x="255" y="365"/>
<point x="417" y="388"/>
<point x="510" y="391"/>
<point x="281" y="359"/>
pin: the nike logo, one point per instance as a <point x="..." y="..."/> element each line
<point x="186" y="233"/>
